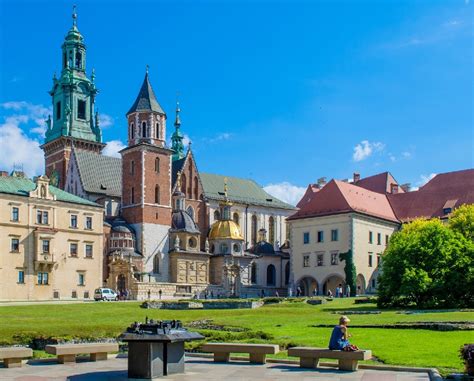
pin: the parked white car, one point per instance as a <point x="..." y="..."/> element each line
<point x="105" y="294"/>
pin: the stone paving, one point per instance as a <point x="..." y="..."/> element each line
<point x="198" y="369"/>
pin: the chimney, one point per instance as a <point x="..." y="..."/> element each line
<point x="321" y="182"/>
<point x="356" y="177"/>
<point x="406" y="187"/>
<point x="394" y="188"/>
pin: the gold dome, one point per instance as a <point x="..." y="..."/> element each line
<point x="224" y="230"/>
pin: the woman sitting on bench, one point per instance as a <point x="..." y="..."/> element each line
<point x="340" y="335"/>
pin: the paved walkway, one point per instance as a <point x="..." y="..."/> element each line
<point x="198" y="369"/>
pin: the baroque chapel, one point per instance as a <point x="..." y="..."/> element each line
<point x="169" y="228"/>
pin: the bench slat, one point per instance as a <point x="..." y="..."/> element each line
<point x="241" y="348"/>
<point x="74" y="349"/>
<point x="309" y="352"/>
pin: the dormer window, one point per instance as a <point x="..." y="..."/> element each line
<point x="447" y="210"/>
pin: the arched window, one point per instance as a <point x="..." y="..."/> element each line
<point x="157" y="132"/>
<point x="192" y="242"/>
<point x="132" y="131"/>
<point x="236" y="218"/>
<point x="144" y="128"/>
<point x="132" y="196"/>
<point x="196" y="188"/>
<point x="224" y="248"/>
<point x="157" y="194"/>
<point x="253" y="273"/>
<point x="183" y="183"/>
<point x="254" y="229"/>
<point x="287" y="273"/>
<point x="216" y="215"/>
<point x="271" y="275"/>
<point x="271" y="230"/>
<point x="78" y="60"/>
<point x="157" y="165"/>
<point x="156" y="263"/>
<point x="190" y="211"/>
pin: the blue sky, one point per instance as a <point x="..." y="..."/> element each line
<point x="282" y="92"/>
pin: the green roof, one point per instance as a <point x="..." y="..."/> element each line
<point x="99" y="173"/>
<point x="22" y="186"/>
<point x="243" y="191"/>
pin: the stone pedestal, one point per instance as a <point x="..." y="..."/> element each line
<point x="150" y="359"/>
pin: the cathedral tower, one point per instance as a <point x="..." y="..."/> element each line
<point x="74" y="121"/>
<point x="146" y="180"/>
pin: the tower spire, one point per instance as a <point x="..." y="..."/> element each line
<point x="177" y="137"/>
<point x="74" y="16"/>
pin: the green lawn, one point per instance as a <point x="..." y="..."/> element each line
<point x="284" y="324"/>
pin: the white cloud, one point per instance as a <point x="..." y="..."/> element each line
<point x="17" y="149"/>
<point x="186" y="140"/>
<point x="425" y="178"/>
<point x="406" y="154"/>
<point x="113" y="147"/>
<point x="34" y="113"/>
<point x="221" y="137"/>
<point x="365" y="148"/>
<point x="105" y="120"/>
<point x="286" y="192"/>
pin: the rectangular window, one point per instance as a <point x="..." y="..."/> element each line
<point x="88" y="223"/>
<point x="306" y="261"/>
<point x="15" y="245"/>
<point x="73" y="249"/>
<point x="373" y="283"/>
<point x="15" y="214"/>
<point x="379" y="258"/>
<point x="21" y="276"/>
<point x="387" y="237"/>
<point x="371" y="237"/>
<point x="58" y="110"/>
<point x="45" y="246"/>
<point x="43" y="278"/>
<point x="42" y="217"/>
<point x="73" y="220"/>
<point x="320" y="236"/>
<point x="305" y="238"/>
<point x="81" y="109"/>
<point x="370" y="260"/>
<point x="132" y="167"/>
<point x="132" y="196"/>
<point x="320" y="261"/>
<point x="89" y="250"/>
<point x="334" y="259"/>
<point x="334" y="235"/>
<point x="379" y="238"/>
<point x="81" y="279"/>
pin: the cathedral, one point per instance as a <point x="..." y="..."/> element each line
<point x="169" y="229"/>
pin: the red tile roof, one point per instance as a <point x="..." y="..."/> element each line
<point x="446" y="190"/>
<point x="450" y="189"/>
<point x="380" y="183"/>
<point x="308" y="195"/>
<point x="340" y="197"/>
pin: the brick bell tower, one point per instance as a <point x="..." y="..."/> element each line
<point x="74" y="122"/>
<point x="146" y="177"/>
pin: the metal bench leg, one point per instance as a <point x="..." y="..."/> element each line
<point x="62" y="359"/>
<point x="12" y="363"/>
<point x="221" y="357"/>
<point x="309" y="362"/>
<point x="101" y="356"/>
<point x="258" y="358"/>
<point x="348" y="364"/>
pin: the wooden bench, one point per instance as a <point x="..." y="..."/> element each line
<point x="257" y="352"/>
<point x="67" y="352"/>
<point x="12" y="356"/>
<point x="309" y="357"/>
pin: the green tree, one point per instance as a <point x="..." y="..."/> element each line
<point x="427" y="264"/>
<point x="462" y="221"/>
<point x="349" y="270"/>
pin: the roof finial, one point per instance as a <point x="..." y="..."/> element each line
<point x="225" y="188"/>
<point x="177" y="122"/>
<point x="147" y="68"/>
<point x="178" y="181"/>
<point x="74" y="16"/>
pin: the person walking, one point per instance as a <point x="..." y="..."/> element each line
<point x="348" y="291"/>
<point x="160" y="293"/>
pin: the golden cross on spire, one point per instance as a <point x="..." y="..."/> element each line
<point x="225" y="188"/>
